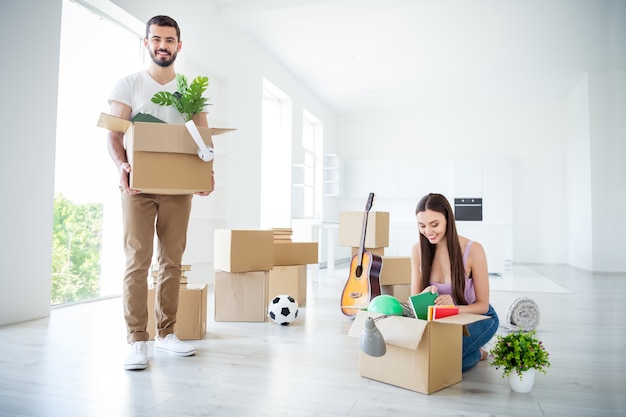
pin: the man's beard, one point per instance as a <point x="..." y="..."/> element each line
<point x="157" y="59"/>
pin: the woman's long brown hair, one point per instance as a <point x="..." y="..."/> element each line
<point x="439" y="203"/>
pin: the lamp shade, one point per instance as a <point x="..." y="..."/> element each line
<point x="372" y="342"/>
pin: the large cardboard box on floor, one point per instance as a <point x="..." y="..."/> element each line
<point x="423" y="356"/>
<point x="351" y="227"/>
<point x="241" y="296"/>
<point x="191" y="316"/>
<point x="395" y="277"/>
<point x="290" y="280"/>
<point x="243" y="250"/>
<point x="295" y="253"/>
<point x="164" y="157"/>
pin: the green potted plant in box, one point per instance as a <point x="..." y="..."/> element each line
<point x="520" y="355"/>
<point x="188" y="99"/>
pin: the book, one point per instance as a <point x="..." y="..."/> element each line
<point x="282" y="234"/>
<point x="439" y="312"/>
<point x="419" y="304"/>
<point x="145" y="117"/>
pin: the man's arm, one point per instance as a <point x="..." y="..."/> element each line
<point x="116" y="148"/>
<point x="200" y="119"/>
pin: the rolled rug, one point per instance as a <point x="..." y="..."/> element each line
<point x="523" y="315"/>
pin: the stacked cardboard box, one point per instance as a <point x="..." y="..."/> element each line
<point x="242" y="261"/>
<point x="253" y="266"/>
<point x="192" y="308"/>
<point x="289" y="274"/>
<point x="395" y="277"/>
<point x="376" y="233"/>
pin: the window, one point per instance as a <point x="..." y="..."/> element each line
<point x="275" y="158"/>
<point x="312" y="139"/>
<point x="87" y="254"/>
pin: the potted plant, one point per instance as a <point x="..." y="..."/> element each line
<point x="188" y="100"/>
<point x="520" y="355"/>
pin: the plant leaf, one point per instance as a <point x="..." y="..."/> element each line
<point x="164" y="98"/>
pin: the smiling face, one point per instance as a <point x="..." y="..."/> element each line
<point x="432" y="225"/>
<point x="163" y="45"/>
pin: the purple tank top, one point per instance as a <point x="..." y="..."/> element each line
<point x="470" y="295"/>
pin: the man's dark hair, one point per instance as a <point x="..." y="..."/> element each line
<point x="162" y="20"/>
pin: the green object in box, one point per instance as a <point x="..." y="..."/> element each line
<point x="385" y="304"/>
<point x="144" y="117"/>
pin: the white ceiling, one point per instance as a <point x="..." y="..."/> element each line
<point x="374" y="55"/>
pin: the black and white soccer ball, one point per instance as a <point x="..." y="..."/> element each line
<point x="283" y="309"/>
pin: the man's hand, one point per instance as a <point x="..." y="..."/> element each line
<point x="205" y="193"/>
<point x="125" y="169"/>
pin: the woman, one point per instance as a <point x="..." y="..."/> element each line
<point x="455" y="268"/>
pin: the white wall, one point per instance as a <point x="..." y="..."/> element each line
<point x="580" y="249"/>
<point x="537" y="138"/>
<point x="29" y="79"/>
<point x="607" y="121"/>
<point x="429" y="146"/>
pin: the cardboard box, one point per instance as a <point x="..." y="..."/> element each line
<point x="241" y="296"/>
<point x="192" y="312"/>
<point x="395" y="270"/>
<point x="351" y="226"/>
<point x="243" y="250"/>
<point x="376" y="251"/>
<point x="164" y="156"/>
<point x="423" y="356"/>
<point x="400" y="291"/>
<point x="290" y="280"/>
<point x="295" y="253"/>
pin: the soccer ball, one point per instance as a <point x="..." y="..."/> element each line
<point x="283" y="309"/>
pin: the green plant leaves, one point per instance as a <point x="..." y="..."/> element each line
<point x="519" y="352"/>
<point x="188" y="100"/>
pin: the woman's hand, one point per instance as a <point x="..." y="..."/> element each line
<point x="431" y="288"/>
<point x="444" y="300"/>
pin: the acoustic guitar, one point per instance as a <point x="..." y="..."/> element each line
<point x="363" y="281"/>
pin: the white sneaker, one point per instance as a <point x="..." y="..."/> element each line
<point x="172" y="344"/>
<point x="137" y="358"/>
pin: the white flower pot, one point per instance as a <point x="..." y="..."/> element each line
<point x="522" y="383"/>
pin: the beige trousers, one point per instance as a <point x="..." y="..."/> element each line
<point x="143" y="214"/>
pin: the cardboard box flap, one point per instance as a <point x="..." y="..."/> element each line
<point x="406" y="332"/>
<point x="396" y="330"/>
<point x="116" y="124"/>
<point x="221" y="130"/>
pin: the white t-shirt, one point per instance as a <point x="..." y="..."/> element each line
<point x="136" y="90"/>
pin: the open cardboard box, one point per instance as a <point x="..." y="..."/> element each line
<point x="164" y="157"/>
<point x="423" y="356"/>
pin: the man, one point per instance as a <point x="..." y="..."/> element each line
<point x="145" y="213"/>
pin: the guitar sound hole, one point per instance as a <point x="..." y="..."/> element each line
<point x="358" y="271"/>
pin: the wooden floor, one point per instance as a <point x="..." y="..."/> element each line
<point x="71" y="363"/>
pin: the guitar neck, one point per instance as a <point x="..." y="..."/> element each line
<point x="362" y="243"/>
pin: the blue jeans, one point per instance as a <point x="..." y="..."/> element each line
<point x="480" y="332"/>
